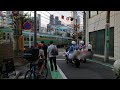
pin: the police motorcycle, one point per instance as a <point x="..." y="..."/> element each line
<point x="82" y="49"/>
<point x="78" y="55"/>
<point x="71" y="55"/>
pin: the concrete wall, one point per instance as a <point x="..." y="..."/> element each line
<point x="6" y="51"/>
<point x="98" y="22"/>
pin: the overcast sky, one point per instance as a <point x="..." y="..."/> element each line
<point x="46" y="14"/>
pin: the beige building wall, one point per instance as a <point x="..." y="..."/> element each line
<point x="97" y="22"/>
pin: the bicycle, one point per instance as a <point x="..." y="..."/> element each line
<point x="33" y="72"/>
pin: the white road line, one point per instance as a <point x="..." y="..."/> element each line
<point x="60" y="59"/>
<point x="63" y="75"/>
<point x="61" y="52"/>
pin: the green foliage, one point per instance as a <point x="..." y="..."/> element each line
<point x="24" y="18"/>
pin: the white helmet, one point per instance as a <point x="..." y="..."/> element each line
<point x="81" y="42"/>
<point x="73" y="42"/>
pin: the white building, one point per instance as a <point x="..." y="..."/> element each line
<point x="43" y="30"/>
<point x="95" y="32"/>
<point x="6" y="19"/>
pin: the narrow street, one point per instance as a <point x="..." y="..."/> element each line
<point x="28" y="36"/>
<point x="88" y="70"/>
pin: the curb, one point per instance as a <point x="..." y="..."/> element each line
<point x="105" y="64"/>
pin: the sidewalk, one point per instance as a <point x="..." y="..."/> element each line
<point x="100" y="60"/>
<point x="19" y="62"/>
<point x="111" y="61"/>
<point x="20" y="67"/>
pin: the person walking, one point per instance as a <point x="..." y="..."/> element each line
<point x="90" y="49"/>
<point x="41" y="58"/>
<point x="45" y="52"/>
<point x="52" y="53"/>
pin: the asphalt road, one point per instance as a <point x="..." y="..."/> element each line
<point x="89" y="70"/>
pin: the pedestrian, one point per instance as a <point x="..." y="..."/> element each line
<point x="41" y="56"/>
<point x="45" y="52"/>
<point x="73" y="47"/>
<point x="66" y="47"/>
<point x="72" y="50"/>
<point x="52" y="53"/>
<point x="82" y="45"/>
<point x="34" y="51"/>
<point x="90" y="49"/>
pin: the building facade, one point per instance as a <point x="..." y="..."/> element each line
<point x="6" y="19"/>
<point x="52" y="19"/>
<point x="95" y="32"/>
<point x="1" y="19"/>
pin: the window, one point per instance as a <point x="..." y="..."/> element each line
<point x="31" y="38"/>
<point x="27" y="39"/>
<point x="8" y="36"/>
<point x="24" y="38"/>
<point x="4" y="36"/>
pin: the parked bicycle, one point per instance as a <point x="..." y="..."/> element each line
<point x="33" y="72"/>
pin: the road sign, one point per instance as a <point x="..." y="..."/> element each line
<point x="27" y="25"/>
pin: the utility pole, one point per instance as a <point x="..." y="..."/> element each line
<point x="106" y="51"/>
<point x="84" y="26"/>
<point x="76" y="32"/>
<point x="39" y="15"/>
<point x="35" y="36"/>
<point x="16" y="33"/>
<point x="75" y="25"/>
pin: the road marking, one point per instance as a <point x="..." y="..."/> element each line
<point x="60" y="59"/>
<point x="61" y="52"/>
<point x="108" y="65"/>
<point x="57" y="74"/>
<point x="63" y="75"/>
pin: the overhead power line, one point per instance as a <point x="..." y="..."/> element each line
<point x="41" y="16"/>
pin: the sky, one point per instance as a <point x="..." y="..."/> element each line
<point x="46" y="14"/>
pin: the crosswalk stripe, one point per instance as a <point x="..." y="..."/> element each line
<point x="60" y="59"/>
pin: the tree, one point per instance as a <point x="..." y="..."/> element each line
<point x="24" y="19"/>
